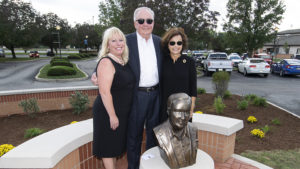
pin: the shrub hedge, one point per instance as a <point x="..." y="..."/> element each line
<point x="61" y="71"/>
<point x="61" y="63"/>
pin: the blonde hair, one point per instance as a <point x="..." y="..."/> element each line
<point x="108" y="34"/>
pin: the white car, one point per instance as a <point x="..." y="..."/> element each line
<point x="235" y="58"/>
<point x="254" y="66"/>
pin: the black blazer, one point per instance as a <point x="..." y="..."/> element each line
<point x="134" y="59"/>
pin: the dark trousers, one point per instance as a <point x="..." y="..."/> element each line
<point x="145" y="112"/>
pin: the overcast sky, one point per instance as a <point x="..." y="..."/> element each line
<point x="80" y="11"/>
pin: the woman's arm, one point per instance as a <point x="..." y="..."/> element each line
<point x="105" y="72"/>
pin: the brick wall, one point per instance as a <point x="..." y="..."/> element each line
<point x="46" y="100"/>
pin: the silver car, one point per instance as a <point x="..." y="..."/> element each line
<point x="254" y="66"/>
<point x="2" y="53"/>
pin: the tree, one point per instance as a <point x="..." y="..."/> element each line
<point x="251" y="23"/>
<point x="49" y="22"/>
<point x="17" y="24"/>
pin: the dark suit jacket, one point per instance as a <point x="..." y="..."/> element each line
<point x="134" y="59"/>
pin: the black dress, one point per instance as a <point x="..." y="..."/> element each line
<point x="108" y="142"/>
<point x="178" y="77"/>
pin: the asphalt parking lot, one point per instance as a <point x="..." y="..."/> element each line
<point x="282" y="91"/>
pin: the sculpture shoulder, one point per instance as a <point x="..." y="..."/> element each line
<point x="160" y="129"/>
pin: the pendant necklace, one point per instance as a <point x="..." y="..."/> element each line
<point x="117" y="59"/>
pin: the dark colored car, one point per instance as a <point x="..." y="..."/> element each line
<point x="50" y="53"/>
<point x="34" y="54"/>
<point x="264" y="56"/>
<point x="286" y="67"/>
<point x="2" y="53"/>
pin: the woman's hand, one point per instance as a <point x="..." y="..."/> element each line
<point x="114" y="122"/>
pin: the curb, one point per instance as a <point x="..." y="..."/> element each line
<point x="62" y="80"/>
<point x="251" y="162"/>
<point x="283" y="109"/>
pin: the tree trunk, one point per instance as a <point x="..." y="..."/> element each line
<point x="12" y="49"/>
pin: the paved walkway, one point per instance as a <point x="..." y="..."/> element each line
<point x="233" y="163"/>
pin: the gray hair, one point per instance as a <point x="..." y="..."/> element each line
<point x="138" y="10"/>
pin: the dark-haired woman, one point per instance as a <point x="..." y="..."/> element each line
<point x="178" y="71"/>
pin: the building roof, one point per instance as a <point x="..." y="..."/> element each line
<point x="291" y="37"/>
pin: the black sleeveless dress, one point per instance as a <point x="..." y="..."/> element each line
<point x="107" y="142"/>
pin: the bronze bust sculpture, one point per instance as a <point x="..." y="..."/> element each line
<point x="178" y="139"/>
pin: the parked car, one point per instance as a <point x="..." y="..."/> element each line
<point x="198" y="57"/>
<point x="215" y="62"/>
<point x="50" y="53"/>
<point x="235" y="58"/>
<point x="296" y="56"/>
<point x="34" y="54"/>
<point x="254" y="66"/>
<point x="286" y="67"/>
<point x="264" y="56"/>
<point x="2" y="53"/>
<point x="244" y="56"/>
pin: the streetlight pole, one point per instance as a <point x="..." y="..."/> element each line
<point x="58" y="28"/>
<point x="86" y="43"/>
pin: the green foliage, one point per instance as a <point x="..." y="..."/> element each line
<point x="74" y="56"/>
<point x="201" y="91"/>
<point x="227" y="94"/>
<point x="79" y="102"/>
<point x="220" y="82"/>
<point x="32" y="132"/>
<point x="259" y="101"/>
<point x="219" y="105"/>
<point x="61" y="63"/>
<point x="30" y="106"/>
<point x="251" y="23"/>
<point x="250" y="97"/>
<point x="266" y="129"/>
<point x="61" y="71"/>
<point x="242" y="105"/>
<point x="276" y="121"/>
<point x="54" y="59"/>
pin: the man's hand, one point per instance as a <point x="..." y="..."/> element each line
<point x="94" y="79"/>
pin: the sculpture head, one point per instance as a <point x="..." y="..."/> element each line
<point x="178" y="108"/>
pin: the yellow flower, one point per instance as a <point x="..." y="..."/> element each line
<point x="4" y="148"/>
<point x="258" y="133"/>
<point x="200" y="112"/>
<point x="73" y="122"/>
<point x="252" y="119"/>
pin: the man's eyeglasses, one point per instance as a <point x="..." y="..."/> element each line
<point x="172" y="43"/>
<point x="141" y="21"/>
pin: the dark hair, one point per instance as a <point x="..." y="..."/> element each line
<point x="170" y="34"/>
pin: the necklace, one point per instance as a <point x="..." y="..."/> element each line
<point x="117" y="59"/>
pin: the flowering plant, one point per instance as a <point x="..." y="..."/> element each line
<point x="200" y="112"/>
<point x="258" y="133"/>
<point x="4" y="148"/>
<point x="73" y="122"/>
<point x="252" y="119"/>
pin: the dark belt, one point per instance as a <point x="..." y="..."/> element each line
<point x="148" y="89"/>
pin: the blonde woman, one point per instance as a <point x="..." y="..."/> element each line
<point x="112" y="105"/>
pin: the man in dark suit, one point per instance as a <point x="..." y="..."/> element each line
<point x="145" y="60"/>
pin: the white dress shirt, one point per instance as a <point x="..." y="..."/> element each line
<point x="148" y="62"/>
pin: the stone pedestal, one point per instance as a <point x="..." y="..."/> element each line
<point x="152" y="159"/>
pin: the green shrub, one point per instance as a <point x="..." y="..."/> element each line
<point x="32" y="132"/>
<point x="74" y="56"/>
<point x="61" y="71"/>
<point x="59" y="59"/>
<point x="276" y="121"/>
<point x="84" y="55"/>
<point x="61" y="63"/>
<point x="266" y="129"/>
<point x="30" y="106"/>
<point x="242" y="105"/>
<point x="201" y="91"/>
<point x="79" y="102"/>
<point x="227" y="94"/>
<point x="219" y="105"/>
<point x="250" y="97"/>
<point x="220" y="83"/>
<point x="259" y="101"/>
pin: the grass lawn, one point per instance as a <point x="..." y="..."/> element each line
<point x="44" y="70"/>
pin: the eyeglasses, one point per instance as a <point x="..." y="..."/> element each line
<point x="172" y="43"/>
<point x="141" y="21"/>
